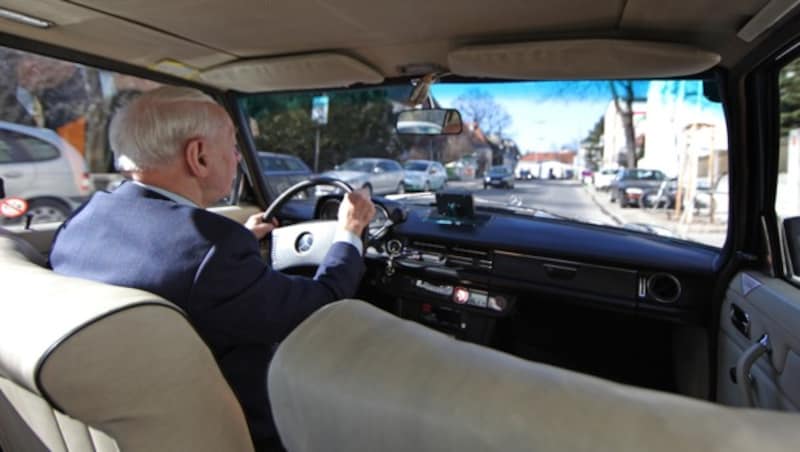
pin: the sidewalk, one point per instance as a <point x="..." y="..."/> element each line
<point x="662" y="221"/>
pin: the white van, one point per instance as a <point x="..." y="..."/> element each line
<point x="39" y="166"/>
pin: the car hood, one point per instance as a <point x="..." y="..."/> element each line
<point x="415" y="174"/>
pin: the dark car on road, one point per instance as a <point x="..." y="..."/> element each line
<point x="630" y="185"/>
<point x="282" y="171"/>
<point x="499" y="176"/>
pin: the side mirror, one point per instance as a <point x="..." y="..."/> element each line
<point x="429" y="122"/>
<point x="432" y="171"/>
<point x="377" y="170"/>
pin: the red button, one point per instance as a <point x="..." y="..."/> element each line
<point x="426" y="308"/>
<point x="460" y="295"/>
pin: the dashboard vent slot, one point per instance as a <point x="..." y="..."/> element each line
<point x="466" y="257"/>
<point x="427" y="246"/>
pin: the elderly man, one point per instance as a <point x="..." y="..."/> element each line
<point x="154" y="234"/>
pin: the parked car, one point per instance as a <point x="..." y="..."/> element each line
<point x="462" y="169"/>
<point x="630" y="184"/>
<point x="42" y="168"/>
<point x="379" y="176"/>
<point x="499" y="176"/>
<point x="662" y="196"/>
<point x="715" y="199"/>
<point x="604" y="177"/>
<point x="282" y="171"/>
<point x="424" y="175"/>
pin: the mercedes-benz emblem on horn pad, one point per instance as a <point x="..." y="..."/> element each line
<point x="304" y="242"/>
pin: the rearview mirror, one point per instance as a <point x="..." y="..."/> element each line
<point x="429" y="122"/>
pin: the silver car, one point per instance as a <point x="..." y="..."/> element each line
<point x="425" y="175"/>
<point x="40" y="167"/>
<point x="379" y="176"/>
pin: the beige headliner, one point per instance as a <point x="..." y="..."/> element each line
<point x="384" y="36"/>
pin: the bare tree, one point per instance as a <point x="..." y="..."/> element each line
<point x="477" y="105"/>
<point x="622" y="94"/>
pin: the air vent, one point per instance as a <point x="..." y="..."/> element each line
<point x="465" y="257"/>
<point x="664" y="288"/>
<point x="455" y="256"/>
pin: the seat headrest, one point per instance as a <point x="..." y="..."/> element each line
<point x="352" y="377"/>
<point x="39" y="308"/>
<point x="123" y="361"/>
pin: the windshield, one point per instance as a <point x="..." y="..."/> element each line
<point x="642" y="175"/>
<point x="498" y="171"/>
<point x="562" y="143"/>
<point x="416" y="166"/>
<point x="365" y="166"/>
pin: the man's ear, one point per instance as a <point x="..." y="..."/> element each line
<point x="196" y="157"/>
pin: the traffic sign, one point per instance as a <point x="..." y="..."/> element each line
<point x="13" y="207"/>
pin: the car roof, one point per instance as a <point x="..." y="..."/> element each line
<point x="250" y="45"/>
<point x="39" y="132"/>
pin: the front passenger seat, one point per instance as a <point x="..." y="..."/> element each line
<point x="88" y="366"/>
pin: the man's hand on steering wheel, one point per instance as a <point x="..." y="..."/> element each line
<point x="356" y="211"/>
<point x="260" y="228"/>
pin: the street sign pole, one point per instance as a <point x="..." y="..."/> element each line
<point x="316" y="152"/>
<point x="319" y="116"/>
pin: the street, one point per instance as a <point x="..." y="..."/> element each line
<point x="566" y="198"/>
<point x="570" y="198"/>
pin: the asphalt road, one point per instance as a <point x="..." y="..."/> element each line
<point x="560" y="197"/>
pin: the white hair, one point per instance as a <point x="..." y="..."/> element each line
<point x="154" y="127"/>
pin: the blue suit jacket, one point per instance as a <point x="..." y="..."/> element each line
<point x="212" y="268"/>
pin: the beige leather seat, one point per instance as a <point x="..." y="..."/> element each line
<point x="86" y="366"/>
<point x="353" y="378"/>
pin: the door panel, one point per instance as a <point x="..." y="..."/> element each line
<point x="768" y="306"/>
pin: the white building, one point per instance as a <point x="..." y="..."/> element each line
<point x="673" y="108"/>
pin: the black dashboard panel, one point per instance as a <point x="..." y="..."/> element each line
<point x="594" y="279"/>
<point x="521" y="259"/>
<point x="501" y="262"/>
<point x="560" y="239"/>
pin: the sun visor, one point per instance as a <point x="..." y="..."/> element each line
<point x="319" y="70"/>
<point x="581" y="59"/>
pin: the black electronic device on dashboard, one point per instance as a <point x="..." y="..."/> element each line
<point x="455" y="204"/>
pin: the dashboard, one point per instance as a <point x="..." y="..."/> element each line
<point x="461" y="277"/>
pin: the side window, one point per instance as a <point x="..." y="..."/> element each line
<point x="296" y="165"/>
<point x="9" y="153"/>
<point x="5" y="152"/>
<point x="54" y="118"/>
<point x="787" y="200"/>
<point x="36" y="149"/>
<point x="386" y="166"/>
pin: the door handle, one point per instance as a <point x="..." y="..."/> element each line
<point x="740" y="320"/>
<point x="12" y="175"/>
<point x="744" y="378"/>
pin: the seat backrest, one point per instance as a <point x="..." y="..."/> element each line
<point x="352" y="377"/>
<point x="88" y="366"/>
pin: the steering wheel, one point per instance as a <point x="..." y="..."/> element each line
<point x="305" y="243"/>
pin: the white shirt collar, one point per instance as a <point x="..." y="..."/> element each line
<point x="173" y="196"/>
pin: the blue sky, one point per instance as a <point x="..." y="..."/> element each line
<point x="544" y="115"/>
